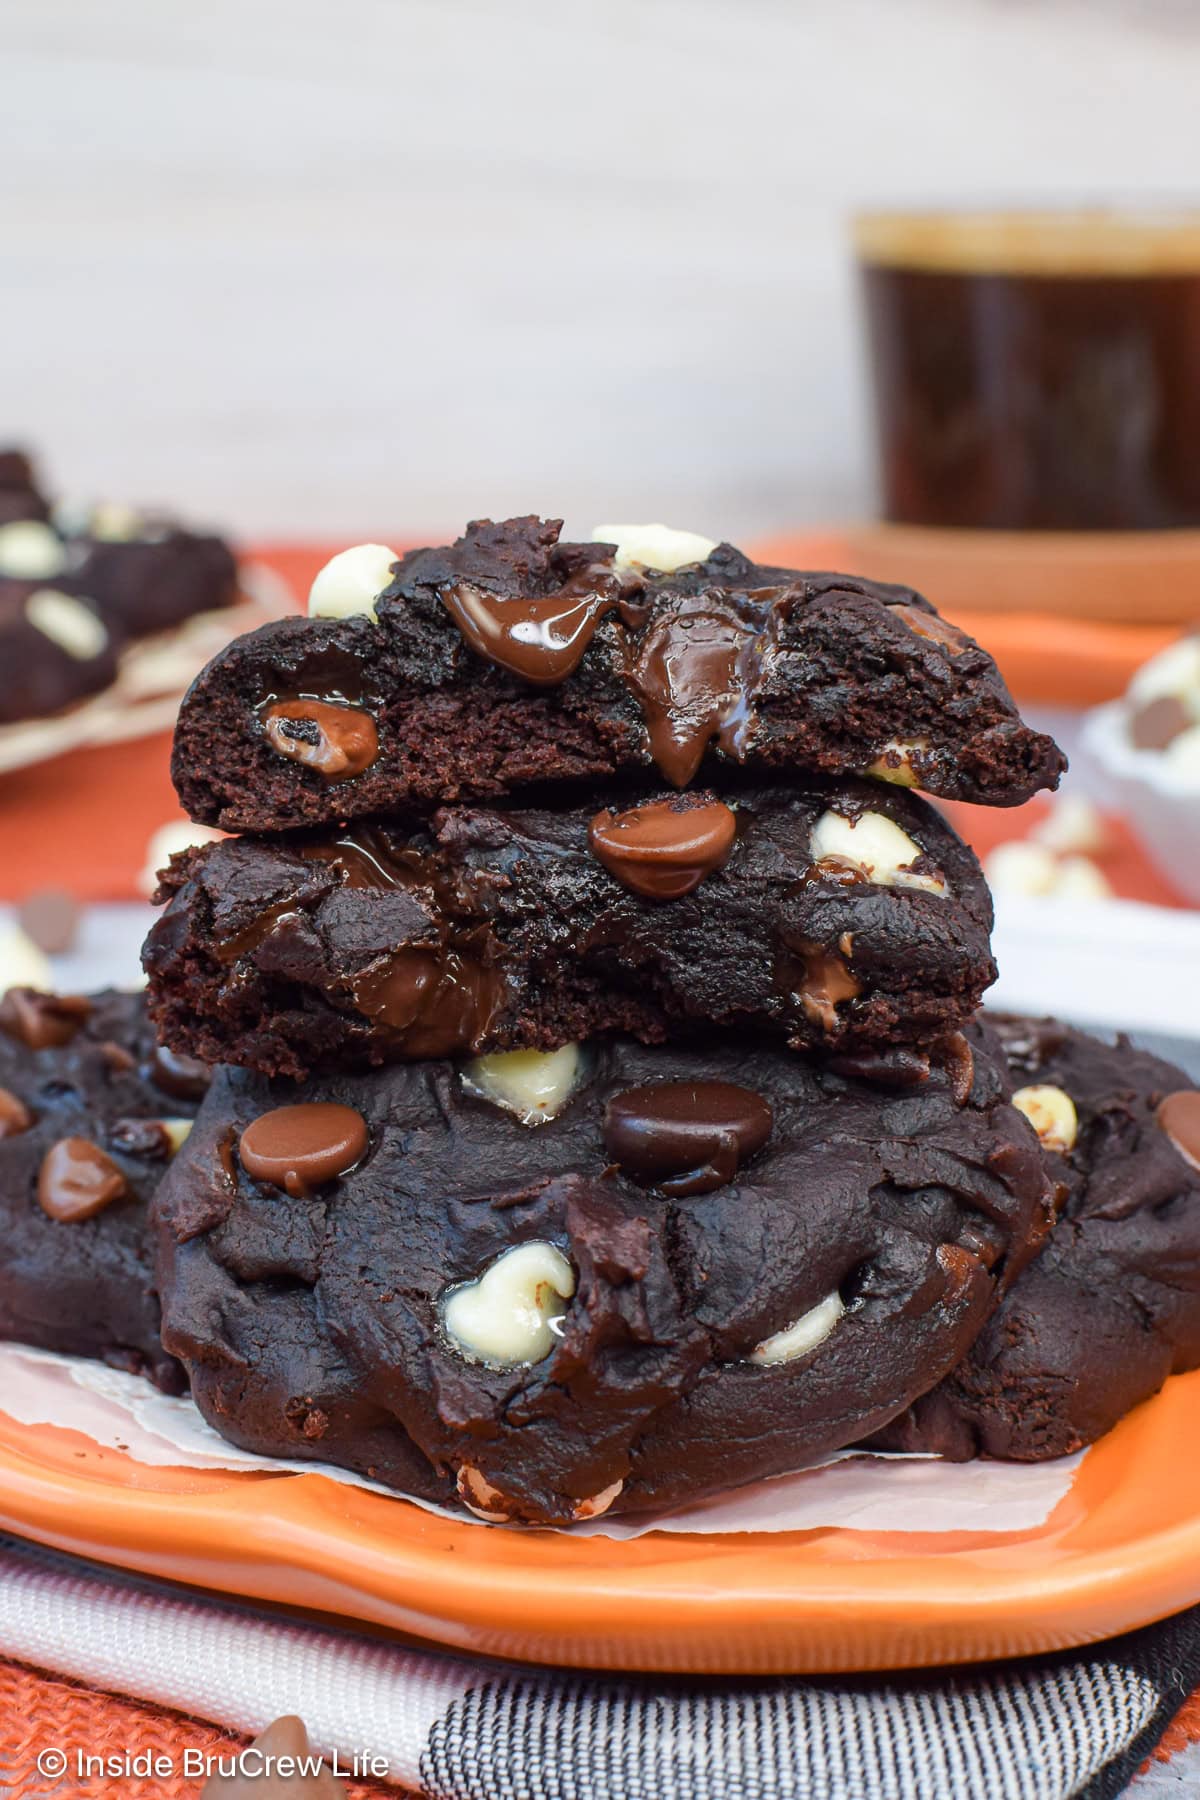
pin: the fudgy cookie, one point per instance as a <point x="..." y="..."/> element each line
<point x="55" y="649"/>
<point x="1111" y="1307"/>
<point x="509" y="660"/>
<point x="837" y="916"/>
<point x="91" y="1112"/>
<point x="701" y="1267"/>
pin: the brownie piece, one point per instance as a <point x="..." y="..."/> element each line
<point x="1112" y="1305"/>
<point x="510" y="660"/>
<point x="702" y="1266"/>
<point x="83" y="1096"/>
<point x="55" y="649"/>
<point x="500" y="930"/>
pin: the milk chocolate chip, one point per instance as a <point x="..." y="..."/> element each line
<point x="76" y="1181"/>
<point x="15" y="1116"/>
<point x="542" y="640"/>
<point x="302" y="1147"/>
<point x="664" y="850"/>
<point x="685" y="1137"/>
<point x="42" y="1021"/>
<point x="1179" y="1116"/>
<point x="337" y="741"/>
<point x="183" y="1077"/>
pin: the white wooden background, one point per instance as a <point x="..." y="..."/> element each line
<point x="378" y="264"/>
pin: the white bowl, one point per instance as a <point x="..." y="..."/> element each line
<point x="1162" y="804"/>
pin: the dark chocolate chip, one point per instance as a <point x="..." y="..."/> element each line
<point x="142" y="1137"/>
<point x="338" y="741"/>
<point x="1179" y="1116"/>
<point x="664" y="850"/>
<point x="77" y="1180"/>
<point x="302" y="1147"/>
<point x="685" y="1137"/>
<point x="42" y="1021"/>
<point x="15" y="1116"/>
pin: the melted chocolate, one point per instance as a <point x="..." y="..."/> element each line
<point x="77" y="1180"/>
<point x="42" y="1021"/>
<point x="1159" y="723"/>
<point x="1179" y="1116"/>
<point x="15" y="1116"/>
<point x="303" y="1147"/>
<point x="685" y="1137"/>
<point x="664" y="850"/>
<point x="819" y="978"/>
<point x="336" y="740"/>
<point x="543" y="640"/>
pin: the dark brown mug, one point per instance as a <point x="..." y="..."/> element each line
<point x="1036" y="371"/>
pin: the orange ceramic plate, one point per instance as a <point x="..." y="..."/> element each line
<point x="1121" y="1549"/>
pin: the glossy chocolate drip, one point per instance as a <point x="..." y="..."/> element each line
<point x="694" y="669"/>
<point x="15" y="1116"/>
<point x="664" y="850"/>
<point x="336" y="740"/>
<point x="541" y="639"/>
<point x="42" y="1021"/>
<point x="819" y="979"/>
<point x="303" y="1147"/>
<point x="1179" y="1117"/>
<point x="685" y="1137"/>
<point x="77" y="1180"/>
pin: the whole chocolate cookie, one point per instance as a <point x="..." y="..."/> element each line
<point x="509" y="659"/>
<point x="90" y="1115"/>
<point x="836" y="916"/>
<point x="1111" y="1307"/>
<point x="703" y="1266"/>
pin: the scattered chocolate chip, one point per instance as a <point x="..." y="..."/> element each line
<point x="51" y="918"/>
<point x="77" y="1180"/>
<point x="183" y="1077"/>
<point x="120" y="1060"/>
<point x="15" y="1116"/>
<point x="142" y="1137"/>
<point x="1179" y="1116"/>
<point x="302" y="1147"/>
<point x="338" y="741"/>
<point x="685" y="1137"/>
<point x="1159" y="723"/>
<point x="42" y="1021"/>
<point x="664" y="850"/>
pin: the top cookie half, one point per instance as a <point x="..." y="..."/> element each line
<point x="511" y="660"/>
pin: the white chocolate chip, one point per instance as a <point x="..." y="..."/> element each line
<point x="802" y="1335"/>
<point x="1051" y="1112"/>
<point x="167" y="842"/>
<point x="508" y="1316"/>
<point x="480" y="1497"/>
<point x="351" y="582"/>
<point x="114" y="523"/>
<point x="1173" y="674"/>
<point x="1073" y="826"/>
<point x="895" y="762"/>
<point x="30" y="551"/>
<point x="1021" y="868"/>
<point x="598" y="1504"/>
<point x="178" y="1132"/>
<point x="67" y="622"/>
<point x="876" y="845"/>
<point x="1079" y="879"/>
<point x="1183" y="753"/>
<point x="22" y="964"/>
<point x="659" y="547"/>
<point x="533" y="1084"/>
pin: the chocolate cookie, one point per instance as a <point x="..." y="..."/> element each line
<point x="510" y="660"/>
<point x="836" y="916"/>
<point x="158" y="579"/>
<point x="55" y="648"/>
<point x="90" y="1115"/>
<point x="701" y="1267"/>
<point x="1111" y="1307"/>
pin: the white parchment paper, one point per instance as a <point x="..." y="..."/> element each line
<point x="852" y="1490"/>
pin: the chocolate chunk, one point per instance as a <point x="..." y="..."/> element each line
<point x="15" y="1116"/>
<point x="1159" y="723"/>
<point x="664" y="850"/>
<point x="183" y="1077"/>
<point x="1179" y="1116"/>
<point x="932" y="626"/>
<point x="42" y="1021"/>
<point x="142" y="1137"/>
<point x="77" y="1181"/>
<point x="120" y="1060"/>
<point x="685" y="1137"/>
<point x="51" y="918"/>
<point x="303" y="1147"/>
<point x="541" y="640"/>
<point x="338" y="741"/>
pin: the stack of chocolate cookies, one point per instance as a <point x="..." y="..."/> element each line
<point x="603" y="1117"/>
